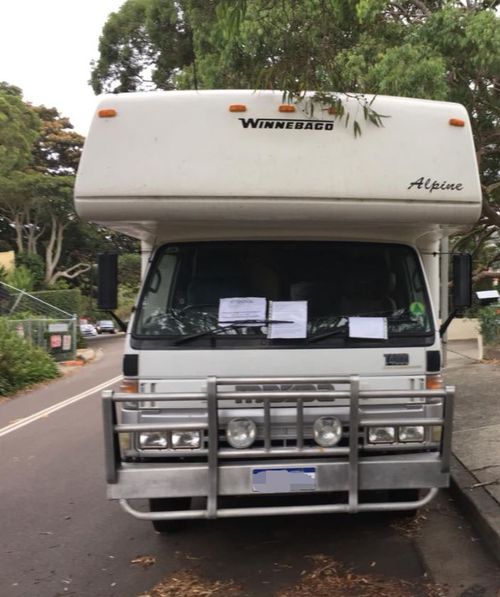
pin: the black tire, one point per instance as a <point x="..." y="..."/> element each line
<point x="166" y="505"/>
<point x="405" y="495"/>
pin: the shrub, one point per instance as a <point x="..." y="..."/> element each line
<point x="21" y="278"/>
<point x="21" y="364"/>
<point x="36" y="266"/>
<point x="490" y="324"/>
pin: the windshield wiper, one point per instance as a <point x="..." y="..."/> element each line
<point x="337" y="331"/>
<point x="231" y="325"/>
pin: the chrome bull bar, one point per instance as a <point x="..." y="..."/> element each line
<point x="214" y="454"/>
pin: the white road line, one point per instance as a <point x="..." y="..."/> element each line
<point x="52" y="409"/>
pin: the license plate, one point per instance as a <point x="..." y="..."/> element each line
<point x="283" y="480"/>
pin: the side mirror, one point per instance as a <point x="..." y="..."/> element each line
<point x="107" y="272"/>
<point x="462" y="281"/>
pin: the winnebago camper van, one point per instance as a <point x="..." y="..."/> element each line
<point x="284" y="353"/>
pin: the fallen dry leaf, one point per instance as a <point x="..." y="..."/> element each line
<point x="190" y="584"/>
<point x="144" y="561"/>
<point x="329" y="578"/>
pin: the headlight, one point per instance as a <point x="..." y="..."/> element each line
<point x="412" y="433"/>
<point x="186" y="439"/>
<point x="327" y="431"/>
<point x="241" y="433"/>
<point x="381" y="435"/>
<point x="153" y="440"/>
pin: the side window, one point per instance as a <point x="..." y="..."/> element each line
<point x="157" y="291"/>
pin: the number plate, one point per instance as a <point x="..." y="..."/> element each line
<point x="283" y="480"/>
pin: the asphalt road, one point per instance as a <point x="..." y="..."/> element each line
<point x="60" y="536"/>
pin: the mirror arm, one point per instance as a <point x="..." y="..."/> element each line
<point x="121" y="324"/>
<point x="449" y="319"/>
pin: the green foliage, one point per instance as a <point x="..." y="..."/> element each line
<point x="34" y="263"/>
<point x="67" y="300"/>
<point x="489" y="318"/>
<point x="129" y="270"/>
<point x="19" y="127"/>
<point x="409" y="67"/>
<point x="58" y="149"/>
<point x="21" y="278"/>
<point x="127" y="296"/>
<point x="21" y="364"/>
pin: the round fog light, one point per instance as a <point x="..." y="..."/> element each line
<point x="327" y="431"/>
<point x="241" y="433"/>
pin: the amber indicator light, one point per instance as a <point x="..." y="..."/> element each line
<point x="286" y="108"/>
<point x="237" y="108"/>
<point x="107" y="113"/>
<point x="456" y="122"/>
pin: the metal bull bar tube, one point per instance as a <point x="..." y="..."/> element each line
<point x="215" y="454"/>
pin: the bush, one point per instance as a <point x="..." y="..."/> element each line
<point x="21" y="278"/>
<point x="489" y="318"/>
<point x="36" y="266"/>
<point x="67" y="300"/>
<point x="21" y="364"/>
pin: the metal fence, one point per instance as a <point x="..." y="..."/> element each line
<point x="38" y="322"/>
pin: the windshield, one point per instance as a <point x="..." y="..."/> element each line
<point x="338" y="280"/>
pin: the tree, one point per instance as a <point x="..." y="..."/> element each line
<point x="142" y="47"/>
<point x="58" y="148"/>
<point x="19" y="127"/>
<point x="434" y="49"/>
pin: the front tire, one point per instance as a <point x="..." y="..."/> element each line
<point x="406" y="495"/>
<point x="169" y="505"/>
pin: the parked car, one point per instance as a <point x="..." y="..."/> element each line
<point x="106" y="326"/>
<point x="87" y="329"/>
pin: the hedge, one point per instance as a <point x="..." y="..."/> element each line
<point x="67" y="300"/>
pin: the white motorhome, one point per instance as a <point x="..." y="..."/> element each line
<point x="285" y="343"/>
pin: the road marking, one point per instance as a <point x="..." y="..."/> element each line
<point x="54" y="408"/>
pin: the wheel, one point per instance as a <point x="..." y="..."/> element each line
<point x="168" y="505"/>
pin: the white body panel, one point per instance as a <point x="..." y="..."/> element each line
<point x="176" y="163"/>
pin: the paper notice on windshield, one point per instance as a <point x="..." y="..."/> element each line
<point x="242" y="309"/>
<point x="368" y="327"/>
<point x="292" y="311"/>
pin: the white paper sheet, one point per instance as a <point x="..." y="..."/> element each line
<point x="294" y="311"/>
<point x="242" y="309"/>
<point x="368" y="327"/>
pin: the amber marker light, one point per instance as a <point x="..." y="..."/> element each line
<point x="286" y="108"/>
<point x="107" y="113"/>
<point x="456" y="122"/>
<point x="434" y="382"/>
<point x="237" y="108"/>
<point x="129" y="386"/>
